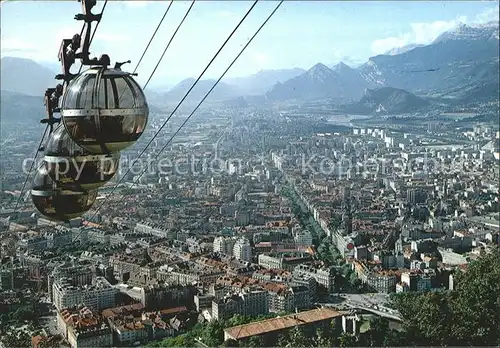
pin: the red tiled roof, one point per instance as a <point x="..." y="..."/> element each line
<point x="275" y="324"/>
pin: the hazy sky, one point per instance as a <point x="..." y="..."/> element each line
<point x="299" y="35"/>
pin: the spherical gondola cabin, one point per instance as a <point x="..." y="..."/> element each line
<point x="104" y="110"/>
<point x="56" y="203"/>
<point x="72" y="167"/>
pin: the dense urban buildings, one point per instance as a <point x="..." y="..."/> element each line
<point x="264" y="220"/>
<point x="279" y="238"/>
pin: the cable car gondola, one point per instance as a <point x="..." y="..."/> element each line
<point x="57" y="203"/>
<point x="104" y="110"/>
<point x="71" y="166"/>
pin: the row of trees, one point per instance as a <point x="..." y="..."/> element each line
<point x="305" y="218"/>
<point x="469" y="315"/>
<point x="326" y="251"/>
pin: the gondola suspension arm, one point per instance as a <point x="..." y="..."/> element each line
<point x="68" y="54"/>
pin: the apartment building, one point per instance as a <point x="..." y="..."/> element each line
<point x="383" y="281"/>
<point x="277" y="261"/>
<point x="149" y="228"/>
<point x="76" y="274"/>
<point x="242" y="250"/>
<point x="224" y="245"/>
<point x="324" y="276"/>
<point x="161" y="296"/>
<point x="270" y="262"/>
<point x="137" y="264"/>
<point x="248" y="302"/>
<point x="133" y="323"/>
<point x="98" y="296"/>
<point x="302" y="237"/>
<point x="187" y="273"/>
<point x="95" y="336"/>
<point x="283" y="298"/>
<point x="83" y="327"/>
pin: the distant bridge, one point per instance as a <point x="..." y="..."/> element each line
<point x="365" y="309"/>
<point x="379" y="313"/>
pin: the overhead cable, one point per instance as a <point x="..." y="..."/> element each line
<point x="213" y="86"/>
<point x="154" y="34"/>
<point x="177" y="107"/>
<point x="168" y="44"/>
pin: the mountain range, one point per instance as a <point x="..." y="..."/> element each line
<point x="15" y="107"/>
<point x="220" y="92"/>
<point x="227" y="89"/>
<point x="459" y="66"/>
<point x="25" y="76"/>
<point x="454" y="58"/>
<point x="341" y="83"/>
<point x="263" y="81"/>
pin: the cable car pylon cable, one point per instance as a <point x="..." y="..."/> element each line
<point x="176" y="108"/>
<point x="168" y="44"/>
<point x="151" y="39"/>
<point x="213" y="86"/>
<point x="97" y="24"/>
<point x="154" y="34"/>
<point x="95" y="30"/>
<point x="197" y="106"/>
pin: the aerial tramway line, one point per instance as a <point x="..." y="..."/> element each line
<point x="103" y="111"/>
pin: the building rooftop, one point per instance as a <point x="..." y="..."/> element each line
<point x="80" y="315"/>
<point x="123" y="310"/>
<point x="173" y="311"/>
<point x="275" y="324"/>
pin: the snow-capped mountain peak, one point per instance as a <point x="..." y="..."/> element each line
<point x="486" y="31"/>
<point x="402" y="49"/>
<point x="491" y="24"/>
